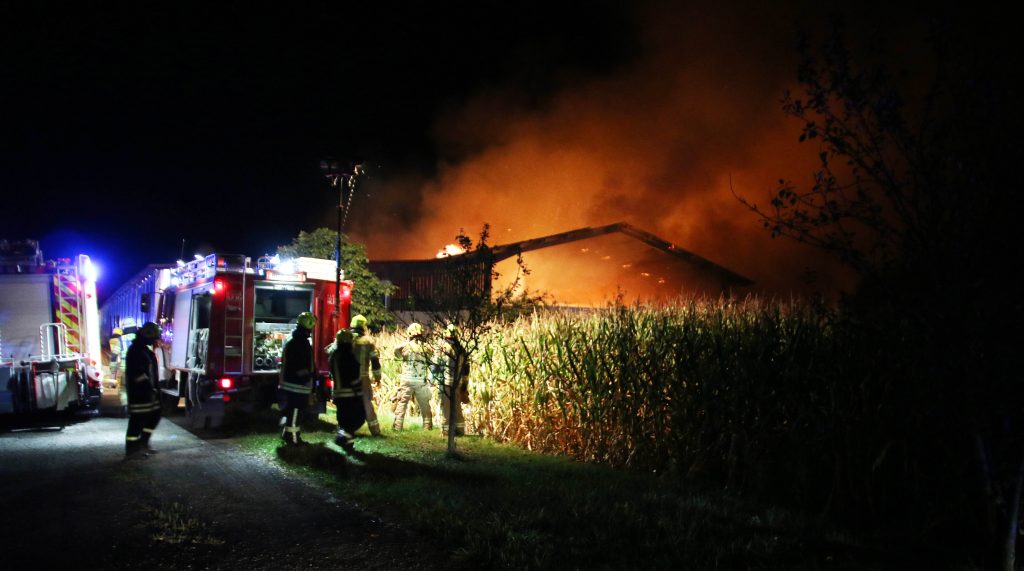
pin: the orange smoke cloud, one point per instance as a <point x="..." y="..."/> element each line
<point x="661" y="144"/>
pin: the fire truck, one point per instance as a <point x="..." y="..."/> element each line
<point x="224" y="323"/>
<point x="49" y="331"/>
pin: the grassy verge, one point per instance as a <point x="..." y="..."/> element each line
<point x="503" y="507"/>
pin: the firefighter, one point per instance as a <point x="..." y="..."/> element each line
<point x="143" y="391"/>
<point x="369" y="368"/>
<point x="415" y="369"/>
<point x="115" y="344"/>
<point x="114" y="360"/>
<point x="120" y="339"/>
<point x="348" y="399"/>
<point x="456" y="359"/>
<point x="297" y="370"/>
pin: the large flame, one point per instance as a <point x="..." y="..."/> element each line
<point x="450" y="250"/>
<point x="663" y="144"/>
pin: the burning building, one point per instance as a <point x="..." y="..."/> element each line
<point x="663" y="271"/>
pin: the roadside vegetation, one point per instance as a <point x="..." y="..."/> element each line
<point x="503" y="507"/>
<point x="637" y="435"/>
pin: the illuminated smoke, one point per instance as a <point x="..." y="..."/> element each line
<point x="658" y="145"/>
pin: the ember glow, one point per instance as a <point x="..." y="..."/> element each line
<point x="449" y="250"/>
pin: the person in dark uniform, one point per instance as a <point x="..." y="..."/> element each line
<point x="143" y="391"/>
<point x="348" y="393"/>
<point x="297" y="371"/>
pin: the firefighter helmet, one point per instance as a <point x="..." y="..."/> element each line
<point x="344" y="337"/>
<point x="116" y="332"/>
<point x="150" y="331"/>
<point x="306" y="320"/>
<point x="359" y="322"/>
<point x="414" y="329"/>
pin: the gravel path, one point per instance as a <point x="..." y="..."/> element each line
<point x="70" y="500"/>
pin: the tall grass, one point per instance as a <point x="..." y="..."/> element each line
<point x="716" y="390"/>
<point x="783" y="401"/>
<point x="737" y="392"/>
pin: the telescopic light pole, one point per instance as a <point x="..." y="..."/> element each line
<point x="345" y="181"/>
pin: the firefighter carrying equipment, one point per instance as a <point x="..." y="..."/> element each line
<point x="306" y="319"/>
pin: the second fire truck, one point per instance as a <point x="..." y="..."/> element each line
<point x="225" y="321"/>
<point x="49" y="331"/>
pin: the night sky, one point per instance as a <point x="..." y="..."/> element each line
<point x="128" y="129"/>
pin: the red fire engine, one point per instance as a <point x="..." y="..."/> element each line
<point x="49" y="331"/>
<point x="225" y="323"/>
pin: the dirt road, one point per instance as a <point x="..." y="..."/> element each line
<point x="70" y="500"/>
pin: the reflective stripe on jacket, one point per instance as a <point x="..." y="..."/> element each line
<point x="141" y="374"/>
<point x="297" y="367"/>
<point x="366" y="353"/>
<point x="345" y="372"/>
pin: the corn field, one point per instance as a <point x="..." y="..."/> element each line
<point x="730" y="391"/>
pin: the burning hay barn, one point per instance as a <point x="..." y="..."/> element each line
<point x="649" y="267"/>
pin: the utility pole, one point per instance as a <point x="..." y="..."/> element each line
<point x="346" y="181"/>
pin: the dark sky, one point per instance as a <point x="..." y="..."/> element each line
<point x="125" y="129"/>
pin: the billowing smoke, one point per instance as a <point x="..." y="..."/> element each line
<point x="661" y="144"/>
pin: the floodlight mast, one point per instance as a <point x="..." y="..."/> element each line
<point x="346" y="180"/>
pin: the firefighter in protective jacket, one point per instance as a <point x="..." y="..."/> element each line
<point x="348" y="399"/>
<point x="369" y="368"/>
<point x="297" y="371"/>
<point x="143" y="391"/>
<point x="416" y="362"/>
<point x="453" y="365"/>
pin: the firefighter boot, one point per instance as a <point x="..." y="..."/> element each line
<point x="291" y="433"/>
<point x="292" y="436"/>
<point x="374" y="427"/>
<point x="134" y="450"/>
<point x="343" y="439"/>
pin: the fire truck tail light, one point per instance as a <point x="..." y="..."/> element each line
<point x="226" y="383"/>
<point x="219" y="286"/>
<point x="330" y="383"/>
